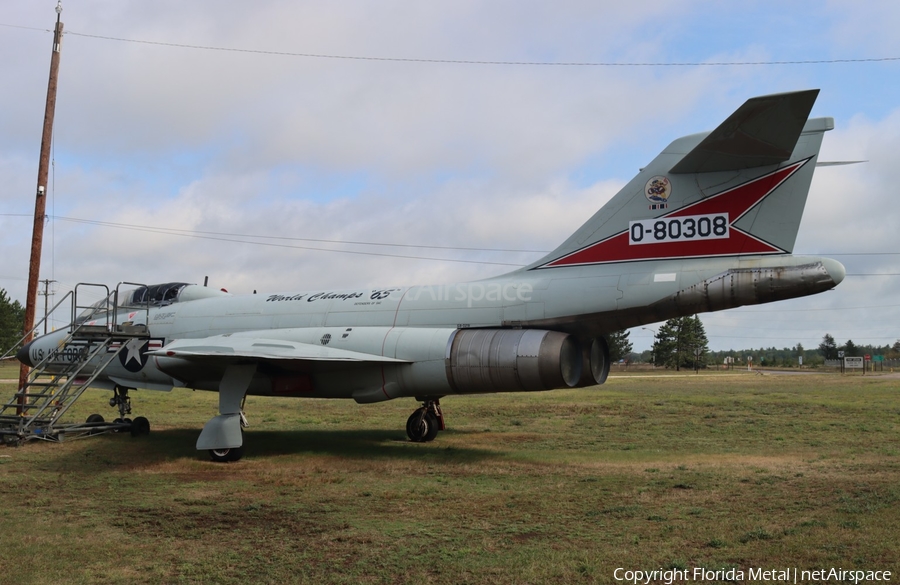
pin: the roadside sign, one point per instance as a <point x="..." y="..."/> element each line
<point x="853" y="362"/>
<point x="841" y="354"/>
<point x="878" y="358"/>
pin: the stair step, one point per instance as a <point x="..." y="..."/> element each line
<point x="57" y="384"/>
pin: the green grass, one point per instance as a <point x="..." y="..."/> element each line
<point x="689" y="471"/>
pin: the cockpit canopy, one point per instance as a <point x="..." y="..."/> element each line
<point x="154" y="295"/>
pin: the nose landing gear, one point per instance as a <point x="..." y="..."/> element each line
<point x="423" y="424"/>
<point x="122" y="401"/>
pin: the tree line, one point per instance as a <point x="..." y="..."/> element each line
<point x="681" y="343"/>
<point x="828" y="349"/>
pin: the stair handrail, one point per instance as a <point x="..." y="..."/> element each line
<point x="73" y="326"/>
<point x="17" y="344"/>
<point x="143" y="306"/>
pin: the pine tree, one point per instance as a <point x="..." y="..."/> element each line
<point x="798" y="354"/>
<point x="696" y="342"/>
<point x="12" y="317"/>
<point x="665" y="347"/>
<point x="828" y="348"/>
<point x="677" y="343"/>
<point x="619" y="345"/>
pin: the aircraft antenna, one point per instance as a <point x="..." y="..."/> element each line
<point x="40" y="205"/>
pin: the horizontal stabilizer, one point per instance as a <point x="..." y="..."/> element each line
<point x="838" y="163"/>
<point x="761" y="132"/>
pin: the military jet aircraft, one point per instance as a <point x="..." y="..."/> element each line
<point x="708" y="225"/>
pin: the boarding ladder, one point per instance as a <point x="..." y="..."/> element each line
<point x="57" y="381"/>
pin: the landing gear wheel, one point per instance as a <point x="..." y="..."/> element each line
<point x="433" y="427"/>
<point x="95" y="418"/>
<point x="226" y="455"/>
<point x="140" y="426"/>
<point x="422" y="426"/>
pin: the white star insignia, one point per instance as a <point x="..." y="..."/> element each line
<point x="133" y="348"/>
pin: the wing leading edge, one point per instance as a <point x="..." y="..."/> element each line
<point x="228" y="349"/>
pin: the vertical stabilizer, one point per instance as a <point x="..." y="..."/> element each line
<point x="738" y="190"/>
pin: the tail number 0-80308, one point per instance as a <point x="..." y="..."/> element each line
<point x="678" y="229"/>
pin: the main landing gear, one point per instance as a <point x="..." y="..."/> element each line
<point x="226" y="455"/>
<point x="229" y="454"/>
<point x="222" y="436"/>
<point x="423" y="424"/>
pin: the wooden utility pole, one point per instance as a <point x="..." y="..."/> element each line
<point x="46" y="294"/>
<point x="40" y="205"/>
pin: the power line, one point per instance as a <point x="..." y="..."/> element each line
<point x="493" y="62"/>
<point x="177" y="231"/>
<point x="225" y="237"/>
<point x="476" y="61"/>
<point x="795" y="338"/>
<point x="26" y="27"/>
<point x="200" y="235"/>
<point x="230" y="237"/>
<point x="733" y="311"/>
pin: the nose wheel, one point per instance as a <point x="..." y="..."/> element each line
<point x="425" y="422"/>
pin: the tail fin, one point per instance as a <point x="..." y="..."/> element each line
<point x="737" y="190"/>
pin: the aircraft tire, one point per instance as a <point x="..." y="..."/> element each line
<point x="95" y="418"/>
<point x="422" y="426"/>
<point x="433" y="427"/>
<point x="416" y="427"/>
<point x="226" y="455"/>
<point x="140" y="426"/>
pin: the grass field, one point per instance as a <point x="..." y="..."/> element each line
<point x="716" y="471"/>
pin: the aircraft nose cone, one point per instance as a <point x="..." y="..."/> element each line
<point x="835" y="269"/>
<point x="24" y="354"/>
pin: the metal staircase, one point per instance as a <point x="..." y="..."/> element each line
<point x="60" y="378"/>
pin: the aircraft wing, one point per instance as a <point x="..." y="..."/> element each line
<point x="228" y="349"/>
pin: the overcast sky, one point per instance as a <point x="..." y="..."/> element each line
<point x="247" y="159"/>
